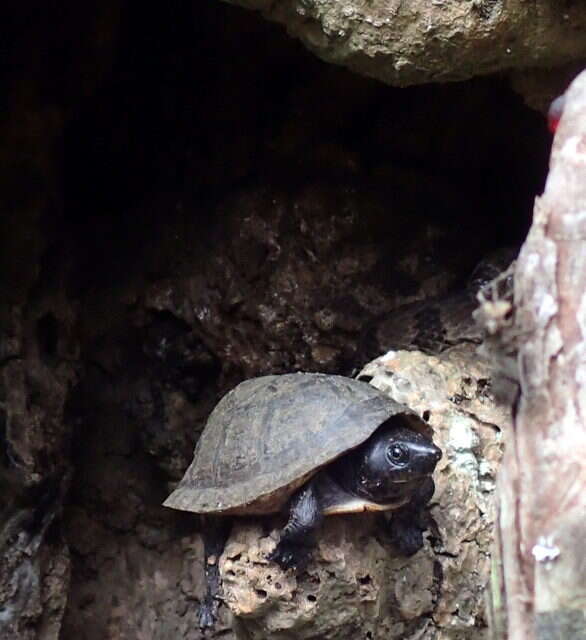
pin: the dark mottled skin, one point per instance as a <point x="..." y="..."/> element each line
<point x="215" y="534"/>
<point x="394" y="464"/>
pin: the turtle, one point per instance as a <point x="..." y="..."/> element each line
<point x="314" y="444"/>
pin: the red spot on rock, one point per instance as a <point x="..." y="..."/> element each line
<point x="554" y="113"/>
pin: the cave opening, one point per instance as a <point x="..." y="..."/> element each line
<point x="204" y="103"/>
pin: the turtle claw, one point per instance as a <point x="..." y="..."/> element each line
<point x="208" y="613"/>
<point x="290" y="556"/>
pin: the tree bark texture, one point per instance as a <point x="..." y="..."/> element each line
<point x="542" y="536"/>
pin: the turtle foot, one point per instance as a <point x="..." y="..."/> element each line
<point x="407" y="537"/>
<point x="290" y="556"/>
<point x="208" y="613"/>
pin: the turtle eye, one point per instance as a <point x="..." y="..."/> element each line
<point x="397" y="454"/>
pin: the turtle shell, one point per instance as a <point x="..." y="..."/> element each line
<point x="269" y="435"/>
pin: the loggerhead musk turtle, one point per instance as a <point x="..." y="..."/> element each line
<point x="321" y="444"/>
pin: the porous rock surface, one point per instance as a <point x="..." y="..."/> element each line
<point x="355" y="586"/>
<point x="410" y="42"/>
<point x="352" y="589"/>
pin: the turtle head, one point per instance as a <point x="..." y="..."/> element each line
<point x="392" y="463"/>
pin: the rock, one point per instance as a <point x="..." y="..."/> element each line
<point x="404" y="43"/>
<point x="347" y="590"/>
<point x="453" y="393"/>
<point x="34" y="473"/>
<point x="38" y="348"/>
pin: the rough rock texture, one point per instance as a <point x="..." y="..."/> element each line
<point x="352" y="589"/>
<point x="539" y="589"/>
<point x="453" y="391"/>
<point x="38" y="348"/>
<point x="435" y="324"/>
<point x="34" y="560"/>
<point x="418" y="41"/>
<point x="356" y="586"/>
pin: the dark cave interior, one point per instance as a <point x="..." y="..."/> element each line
<point x="205" y="102"/>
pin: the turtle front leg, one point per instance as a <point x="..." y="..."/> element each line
<point x="305" y="514"/>
<point x="408" y="522"/>
<point x="215" y="533"/>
